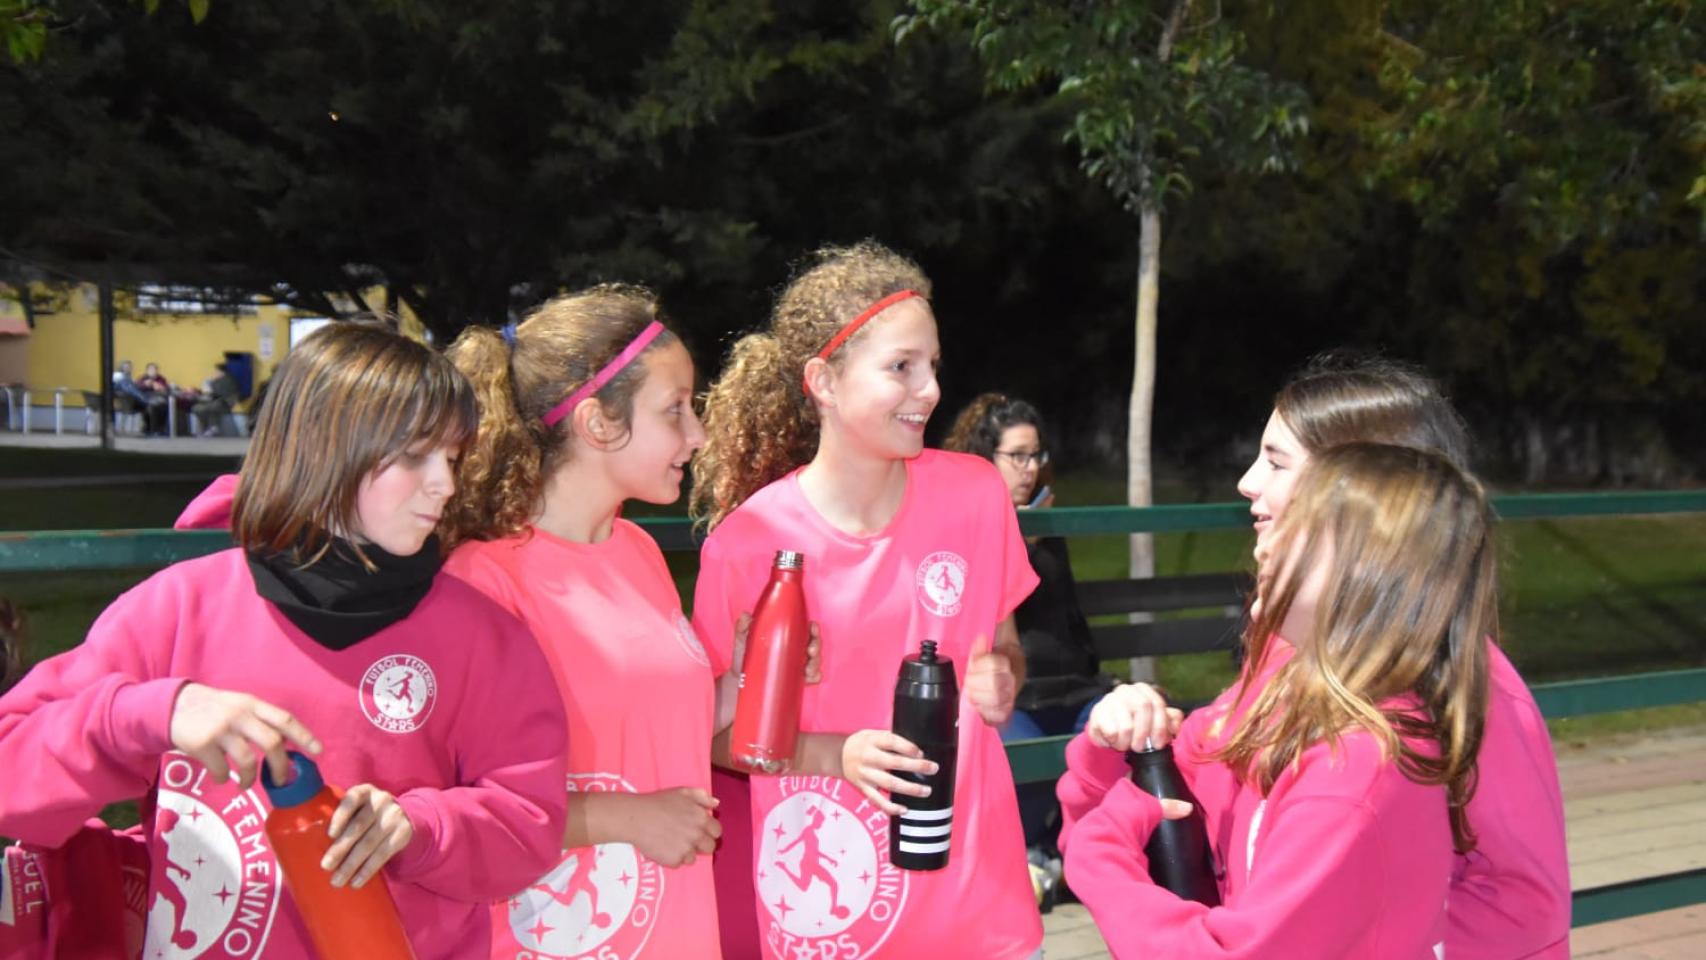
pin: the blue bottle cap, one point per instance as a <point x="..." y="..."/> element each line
<point x="304" y="782"/>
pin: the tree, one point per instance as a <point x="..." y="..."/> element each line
<point x="1158" y="98"/>
<point x="1554" y="154"/>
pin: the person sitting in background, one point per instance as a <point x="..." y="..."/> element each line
<point x="157" y="393"/>
<point x="1063" y="680"/>
<point x="128" y="397"/>
<point x="220" y="396"/>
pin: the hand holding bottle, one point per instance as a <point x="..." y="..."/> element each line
<point x="1130" y="714"/>
<point x="814" y="648"/>
<point x="230" y="733"/>
<point x="368" y="828"/>
<point x="869" y="759"/>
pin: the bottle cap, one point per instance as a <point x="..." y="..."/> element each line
<point x="1149" y="753"/>
<point x="790" y="560"/>
<point x="927" y="667"/>
<point x="304" y="783"/>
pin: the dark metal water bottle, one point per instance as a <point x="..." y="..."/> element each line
<point x="1179" y="855"/>
<point x="926" y="712"/>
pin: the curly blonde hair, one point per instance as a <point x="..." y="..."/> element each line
<point x="759" y="421"/>
<point x="561" y="345"/>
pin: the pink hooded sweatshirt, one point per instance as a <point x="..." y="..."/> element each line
<point x="1342" y="857"/>
<point x="211" y="508"/>
<point x="452" y="709"/>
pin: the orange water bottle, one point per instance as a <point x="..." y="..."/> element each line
<point x="773" y="672"/>
<point x="345" y="922"/>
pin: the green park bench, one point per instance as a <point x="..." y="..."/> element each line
<point x="1220" y="595"/>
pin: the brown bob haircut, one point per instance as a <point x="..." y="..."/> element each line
<point x="350" y="399"/>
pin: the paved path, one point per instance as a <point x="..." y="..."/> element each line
<point x="206" y="446"/>
<point x="1633" y="806"/>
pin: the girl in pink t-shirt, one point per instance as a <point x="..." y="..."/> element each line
<point x="588" y="402"/>
<point x="816" y="444"/>
<point x="1333" y="777"/>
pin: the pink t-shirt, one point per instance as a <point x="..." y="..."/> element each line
<point x="637" y="690"/>
<point x="949" y="567"/>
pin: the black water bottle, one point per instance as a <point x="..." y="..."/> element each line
<point x="1179" y="855"/>
<point x="926" y="712"/>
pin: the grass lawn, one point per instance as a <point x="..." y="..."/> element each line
<point x="1585" y="597"/>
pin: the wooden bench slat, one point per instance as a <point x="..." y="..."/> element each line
<point x="1163" y="637"/>
<point x="1102" y="597"/>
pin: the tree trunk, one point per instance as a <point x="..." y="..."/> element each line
<point x="1140" y="484"/>
<point x="1140" y="487"/>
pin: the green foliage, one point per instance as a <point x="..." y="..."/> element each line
<point x="1583" y="115"/>
<point x="23" y="25"/>
<point x="1158" y="92"/>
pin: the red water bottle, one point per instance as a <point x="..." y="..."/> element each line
<point x="345" y="922"/>
<point x="773" y="673"/>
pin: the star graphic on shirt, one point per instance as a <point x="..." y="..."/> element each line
<point x="805" y="951"/>
<point x="625" y="878"/>
<point x="194" y="814"/>
<point x="783" y="908"/>
<point x="539" y="930"/>
<point x="224" y="893"/>
<point x="199" y="861"/>
<point x="778" y="831"/>
<point x="865" y="876"/>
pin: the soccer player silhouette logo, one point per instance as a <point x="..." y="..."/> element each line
<point x="398" y="693"/>
<point x="172" y="891"/>
<point x="941" y="580"/>
<point x="580" y="882"/>
<point x="814" y="864"/>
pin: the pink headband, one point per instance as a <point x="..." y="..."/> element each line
<point x="604" y="375"/>
<point x="852" y="327"/>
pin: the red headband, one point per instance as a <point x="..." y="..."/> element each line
<point x="864" y="317"/>
<point x="604" y="375"/>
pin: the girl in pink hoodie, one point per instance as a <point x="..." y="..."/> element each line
<point x="1333" y="778"/>
<point x="1510" y="896"/>
<point x="329" y="629"/>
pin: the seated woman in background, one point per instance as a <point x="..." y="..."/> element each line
<point x="1062" y="681"/>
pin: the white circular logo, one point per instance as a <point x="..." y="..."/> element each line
<point x="942" y="582"/>
<point x="216" y="887"/>
<point x="690" y="641"/>
<point x="398" y="693"/>
<point x="599" y="902"/>
<point x="823" y="872"/>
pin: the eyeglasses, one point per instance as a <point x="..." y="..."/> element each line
<point x="1024" y="458"/>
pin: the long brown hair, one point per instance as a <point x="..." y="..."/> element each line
<point x="348" y="400"/>
<point x="759" y="422"/>
<point x="559" y="347"/>
<point x="1411" y="599"/>
<point x="1345" y="397"/>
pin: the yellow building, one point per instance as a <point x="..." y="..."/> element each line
<point x="174" y="327"/>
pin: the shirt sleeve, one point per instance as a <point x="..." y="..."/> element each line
<point x="472" y="566"/>
<point x="87" y="728"/>
<point x="502" y="827"/>
<point x="1091" y="771"/>
<point x="1320" y="878"/>
<point x="714" y="608"/>
<point x="1018" y="580"/>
